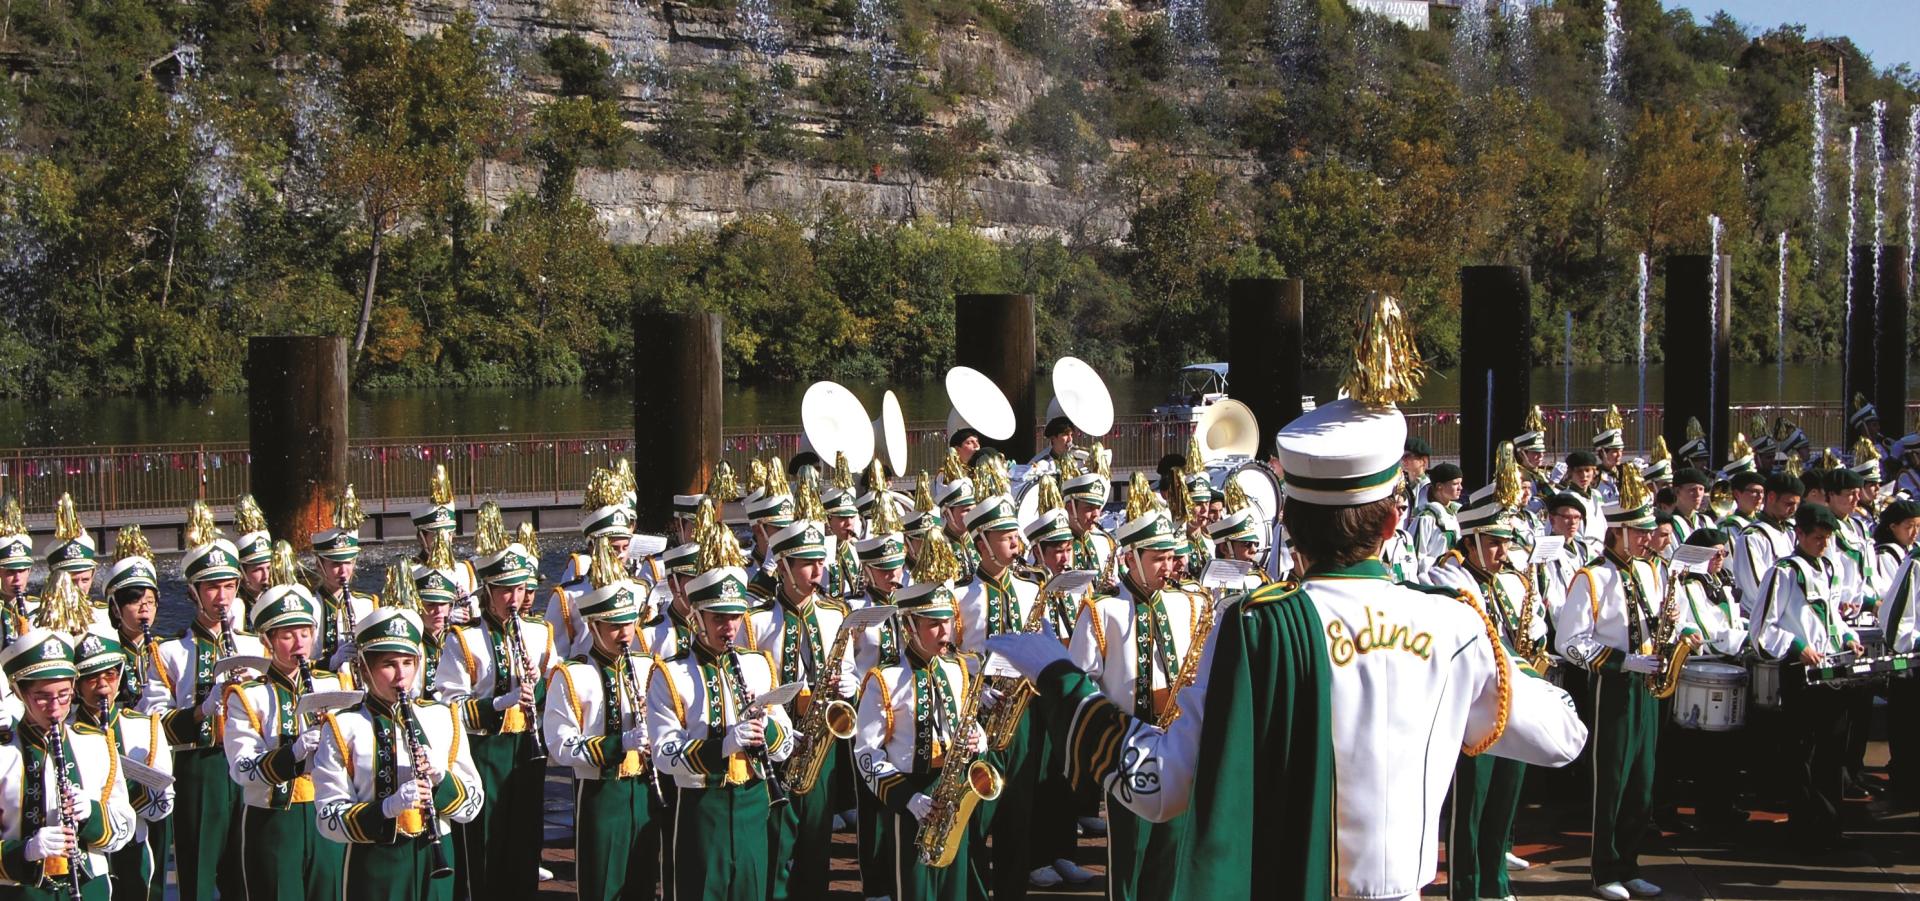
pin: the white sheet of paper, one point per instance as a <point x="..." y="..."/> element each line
<point x="1547" y="549"/>
<point x="780" y="695"/>
<point x="240" y="661"/>
<point x="646" y="545"/>
<point x="997" y="666"/>
<point x="1693" y="558"/>
<point x="1225" y="574"/>
<point x="1069" y="582"/>
<point x="867" y="617"/>
<point x="328" y="701"/>
<point x="139" y="772"/>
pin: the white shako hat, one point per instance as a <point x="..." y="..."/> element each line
<point x="1347" y="453"/>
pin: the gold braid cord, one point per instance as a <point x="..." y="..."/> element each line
<point x="1503" y="674"/>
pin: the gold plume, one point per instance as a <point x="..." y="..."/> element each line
<point x="1234" y="497"/>
<point x="1782" y="429"/>
<point x="885" y="518"/>
<point x="490" y="530"/>
<point x="1660" y="453"/>
<point x="923" y="494"/>
<point x="606" y="568"/>
<point x="1864" y="451"/>
<point x="603" y="490"/>
<point x="935" y="562"/>
<point x="1140" y="496"/>
<point x="1827" y="462"/>
<point x="131" y="542"/>
<point x="1179" y="504"/>
<point x="623" y="476"/>
<point x="719" y="548"/>
<point x="1694" y="431"/>
<point x="1070" y="468"/>
<point x="756" y="477"/>
<point x="62" y="608"/>
<point x="1612" y="419"/>
<point x="440" y="487"/>
<point x="1385" y="369"/>
<point x="723" y="487"/>
<point x="876" y="477"/>
<point x="283" y="569"/>
<point x="1507" y="482"/>
<point x="397" y="572"/>
<point x="1794" y="465"/>
<point x="200" y="526"/>
<point x="1633" y="490"/>
<point x="777" y="479"/>
<point x="704" y="518"/>
<point x="806" y="501"/>
<point x="13" y="520"/>
<point x="347" y="515"/>
<point x="529" y="538"/>
<point x="842" y="473"/>
<point x="1759" y="426"/>
<point x="1536" y="422"/>
<point x="1098" y="461"/>
<point x="1859" y="400"/>
<point x="440" y="555"/>
<point x="991" y="478"/>
<point x="247" y="516"/>
<point x="951" y="468"/>
<point x="66" y="520"/>
<point x="1196" y="461"/>
<point x="1740" y="446"/>
<point x="1050" y="497"/>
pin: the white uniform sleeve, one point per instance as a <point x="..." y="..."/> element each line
<point x="1772" y="627"/>
<point x="1898" y="605"/>
<point x="562" y="730"/>
<point x="1085" y="647"/>
<point x="459" y="765"/>
<point x="247" y="750"/>
<point x="115" y="807"/>
<point x="1164" y="759"/>
<point x="1541" y="726"/>
<point x="332" y="784"/>
<point x="870" y="734"/>
<point x="1578" y="641"/>
<point x="672" y="746"/>
<point x="159" y="804"/>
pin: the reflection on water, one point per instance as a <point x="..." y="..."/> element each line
<point x="131" y="420"/>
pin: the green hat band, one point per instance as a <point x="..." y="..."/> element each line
<point x="389" y="630"/>
<point x="255" y="547"/>
<point x="722" y="590"/>
<point x="338" y="545"/>
<point x="933" y="600"/>
<point x="1151" y="532"/>
<point x="71" y="556"/>
<point x="435" y="586"/>
<point x="616" y="603"/>
<point x="211" y="563"/>
<point x="97" y="653"/>
<point x="39" y="654"/>
<point x="16" y="552"/>
<point x="284" y="607"/>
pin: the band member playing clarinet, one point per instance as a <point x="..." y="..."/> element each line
<point x="391" y="772"/>
<point x="63" y="810"/>
<point x="269" y="746"/>
<point x="139" y="867"/>
<point x="496" y="668"/>
<point x="707" y="738"/>
<point x="596" y="724"/>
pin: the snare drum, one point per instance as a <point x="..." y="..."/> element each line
<point x="1873" y="639"/>
<point x="1764" y="676"/>
<point x="1712" y="697"/>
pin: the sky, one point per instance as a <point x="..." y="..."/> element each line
<point x="1887" y="30"/>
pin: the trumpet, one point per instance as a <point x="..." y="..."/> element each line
<point x="417" y="753"/>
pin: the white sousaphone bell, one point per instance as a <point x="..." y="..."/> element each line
<point x="835" y="422"/>
<point x="978" y="404"/>
<point x="1228" y="436"/>
<point x="1080" y="396"/>
<point x="890" y="434"/>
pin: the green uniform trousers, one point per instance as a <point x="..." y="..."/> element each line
<point x="140" y="869"/>
<point x="92" y="890"/>
<point x="285" y="858"/>
<point x="875" y="842"/>
<point x="1000" y="868"/>
<point x="913" y="880"/>
<point x="1626" y="730"/>
<point x="609" y="819"/>
<point x="720" y="843"/>
<point x="1486" y="797"/>
<point x="500" y="849"/>
<point x="398" y="872"/>
<point x="1144" y="858"/>
<point x="206" y="813"/>
<point x="803" y="836"/>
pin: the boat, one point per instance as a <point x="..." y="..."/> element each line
<point x="1196" y="387"/>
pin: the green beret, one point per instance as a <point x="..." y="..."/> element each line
<point x="1815" y="516"/>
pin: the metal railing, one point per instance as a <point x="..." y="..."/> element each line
<point x="389" y="473"/>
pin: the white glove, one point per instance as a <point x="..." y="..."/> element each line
<point x="1028" y="652"/>
<point x="51" y="841"/>
<point x="744" y="735"/>
<point x="977" y="737"/>
<point x="215" y="699"/>
<point x="1642" y="663"/>
<point x="510" y="699"/>
<point x="407" y="797"/>
<point x="634" y="739"/>
<point x="919" y="805"/>
<point x="307" y="743"/>
<point x="990" y="697"/>
<point x="77" y="808"/>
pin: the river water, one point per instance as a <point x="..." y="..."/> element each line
<point x="419" y="412"/>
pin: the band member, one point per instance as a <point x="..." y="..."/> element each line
<point x="1435" y="529"/>
<point x="1768" y="539"/>
<point x="1060" y="434"/>
<point x="1415" y="456"/>
<point x="1086" y="497"/>
<point x="956" y="499"/>
<point x="1134" y="645"/>
<point x="496" y="669"/>
<point x="1798" y="621"/>
<point x="797" y="633"/>
<point x="255" y="545"/>
<point x="435" y="590"/>
<point x="610" y="522"/>
<point x="16" y="573"/>
<point x="72" y="552"/>
<point x="186" y="693"/>
<point x="713" y="743"/>
<point x="1707" y="757"/>
<point x="842" y="578"/>
<point x="1749" y="491"/>
<point x="336" y="554"/>
<point x="910" y="726"/>
<point x="670" y="630"/>
<point x="686" y="508"/>
<point x="766" y="515"/>
<point x="596" y="724"/>
<point x="63" y="809"/>
<point x="1582" y="481"/>
<point x="392" y="771"/>
<point x="269" y="745"/>
<point x="1611" y="625"/>
<point x="439" y="520"/>
<point x="1055" y="809"/>
<point x="1286" y="712"/>
<point x="1690" y="487"/>
<point x="1001" y="600"/>
<point x="138" y="867"/>
<point x="1609" y="447"/>
<point x="1900" y="529"/>
<point x="133" y="586"/>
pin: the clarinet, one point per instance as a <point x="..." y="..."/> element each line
<point x="776" y="788"/>
<point x="524" y="671"/>
<point x="441" y="869"/>
<point x="57" y="749"/>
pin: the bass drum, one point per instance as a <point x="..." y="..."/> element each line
<point x="1261" y="487"/>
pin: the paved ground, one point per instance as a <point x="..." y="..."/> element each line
<point x="1754" y="861"/>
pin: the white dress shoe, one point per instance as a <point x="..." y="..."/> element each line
<point x="1640" y="888"/>
<point x="1515" y="862"/>
<point x="1612" y="891"/>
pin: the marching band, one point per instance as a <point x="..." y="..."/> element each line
<point x="1256" y="678"/>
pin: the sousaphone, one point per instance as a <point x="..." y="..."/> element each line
<point x="1227" y="429"/>
<point x="977" y="404"/>
<point x="835" y="422"/>
<point x="890" y="434"/>
<point x="1080" y="395"/>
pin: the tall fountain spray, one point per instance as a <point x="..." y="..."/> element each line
<point x="1780" y="328"/>
<point x="1913" y="187"/>
<point x="1715" y="274"/>
<point x="1616" y="44"/>
<point x="1853" y="184"/>
<point x="1817" y="100"/>
<point x="1879" y="188"/>
<point x="1640" y="348"/>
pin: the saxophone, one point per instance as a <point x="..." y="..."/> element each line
<point x="825" y="722"/>
<point x="1535" y="657"/>
<point x="1189" y="667"/>
<point x="964" y="782"/>
<point x="1015" y="693"/>
<point x="1662" y="684"/>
